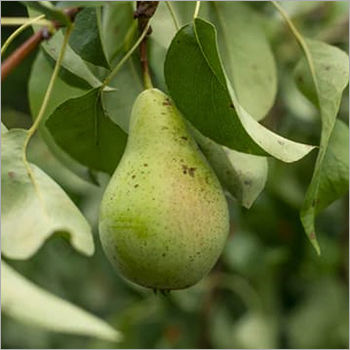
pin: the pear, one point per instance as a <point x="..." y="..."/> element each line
<point x="163" y="218"/>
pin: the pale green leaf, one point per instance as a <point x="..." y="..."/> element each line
<point x="119" y="27"/>
<point x="334" y="177"/>
<point x="38" y="82"/>
<point x="26" y="302"/>
<point x="118" y="104"/>
<point x="246" y="55"/>
<point x="323" y="85"/>
<point x="243" y="175"/>
<point x="72" y="62"/>
<point x="34" y="206"/>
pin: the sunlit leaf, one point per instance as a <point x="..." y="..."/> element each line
<point x="38" y="82"/>
<point x="34" y="206"/>
<point x="197" y="82"/>
<point x="247" y="56"/>
<point x="323" y="86"/>
<point x="243" y="175"/>
<point x="28" y="303"/>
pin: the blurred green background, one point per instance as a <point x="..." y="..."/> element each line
<point x="269" y="288"/>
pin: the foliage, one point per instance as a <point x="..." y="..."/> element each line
<point x="260" y="85"/>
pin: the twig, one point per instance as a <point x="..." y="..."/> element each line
<point x="18" y="21"/>
<point x="20" y="54"/>
<point x="299" y="39"/>
<point x="196" y="10"/>
<point x="19" y="31"/>
<point x="126" y="57"/>
<point x="173" y="15"/>
<point x="144" y="11"/>
<point x="45" y="102"/>
<point x="30" y="45"/>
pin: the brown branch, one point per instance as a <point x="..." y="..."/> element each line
<point x="30" y="45"/>
<point x="144" y="11"/>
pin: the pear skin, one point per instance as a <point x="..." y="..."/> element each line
<point x="163" y="218"/>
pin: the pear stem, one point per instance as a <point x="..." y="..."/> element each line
<point x="144" y="11"/>
<point x="147" y="81"/>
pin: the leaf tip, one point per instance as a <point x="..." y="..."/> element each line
<point x="314" y="243"/>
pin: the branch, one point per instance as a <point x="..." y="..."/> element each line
<point x="144" y="11"/>
<point x="30" y="45"/>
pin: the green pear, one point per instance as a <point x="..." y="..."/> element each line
<point x="163" y="218"/>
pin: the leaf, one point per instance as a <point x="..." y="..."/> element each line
<point x="323" y="87"/>
<point x="38" y="82"/>
<point x="72" y="62"/>
<point x="49" y="11"/>
<point x="34" y="206"/>
<point x="247" y="56"/>
<point x="82" y="129"/>
<point x="334" y="177"/>
<point x="28" y="303"/>
<point x="118" y="104"/>
<point x="198" y="84"/>
<point x="243" y="175"/>
<point x="119" y="27"/>
<point x="163" y="31"/>
<point x="3" y="128"/>
<point x="86" y="38"/>
<point x="65" y="4"/>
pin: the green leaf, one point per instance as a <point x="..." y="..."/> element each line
<point x="334" y="177"/>
<point x="118" y="104"/>
<point x="243" y="175"/>
<point x="198" y="84"/>
<point x="72" y="62"/>
<point x="323" y="87"/>
<point x="86" y="38"/>
<point x="82" y="129"/>
<point x="28" y="303"/>
<point x="38" y="82"/>
<point x="65" y="4"/>
<point x="50" y="12"/>
<point x="34" y="206"/>
<point x="246" y="55"/>
<point x="119" y="27"/>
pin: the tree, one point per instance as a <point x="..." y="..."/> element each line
<point x="265" y="106"/>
